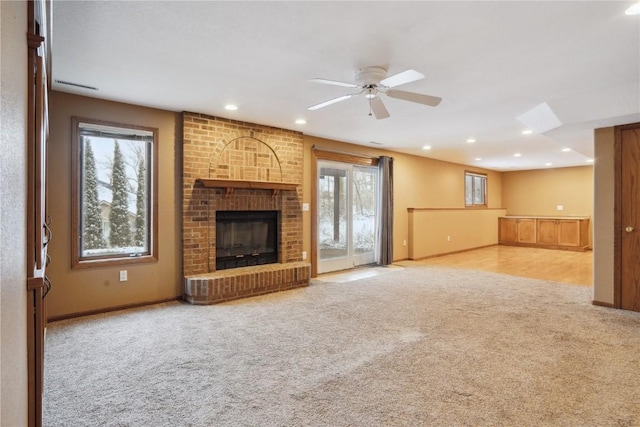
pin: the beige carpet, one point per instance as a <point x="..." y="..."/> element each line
<point x="420" y="346"/>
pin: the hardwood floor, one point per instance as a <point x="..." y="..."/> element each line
<point x="555" y="265"/>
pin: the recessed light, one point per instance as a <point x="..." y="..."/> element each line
<point x="633" y="10"/>
<point x="231" y="107"/>
<point x="477" y="159"/>
<point x="590" y="160"/>
<point x="566" y="150"/>
<point x="426" y="147"/>
<point x="527" y="132"/>
<point x="548" y="164"/>
<point x="517" y="155"/>
<point x="471" y="140"/>
<point x="301" y="121"/>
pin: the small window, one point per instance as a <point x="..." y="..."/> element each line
<point x="475" y="189"/>
<point x="115" y="204"/>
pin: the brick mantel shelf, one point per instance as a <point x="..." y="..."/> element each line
<point x="276" y="187"/>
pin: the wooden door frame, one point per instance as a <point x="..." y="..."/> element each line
<point x="617" y="213"/>
<point x="334" y="156"/>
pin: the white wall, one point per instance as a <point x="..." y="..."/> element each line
<point x="13" y="294"/>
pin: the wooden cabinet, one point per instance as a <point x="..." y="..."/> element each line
<point x="507" y="230"/>
<point x="545" y="232"/>
<point x="526" y="230"/>
<point x="563" y="232"/>
<point x="573" y="233"/>
<point x="517" y="230"/>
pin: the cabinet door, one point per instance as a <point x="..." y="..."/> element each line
<point x="547" y="232"/>
<point x="526" y="230"/>
<point x="568" y="232"/>
<point x="508" y="230"/>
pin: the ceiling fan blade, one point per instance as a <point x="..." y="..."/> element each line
<point x="333" y="82"/>
<point x="378" y="108"/>
<point x="329" y="102"/>
<point x="402" y="78"/>
<point x="419" y="98"/>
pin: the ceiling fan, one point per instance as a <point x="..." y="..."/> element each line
<point x="373" y="81"/>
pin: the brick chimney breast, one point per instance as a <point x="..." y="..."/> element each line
<point x="220" y="148"/>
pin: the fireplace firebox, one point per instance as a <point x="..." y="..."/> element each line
<point x="245" y="238"/>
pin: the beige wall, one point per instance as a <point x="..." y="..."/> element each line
<point x="419" y="182"/>
<point x="539" y="192"/>
<point x="603" y="216"/>
<point x="434" y="232"/>
<point x="77" y="291"/>
<point x="13" y="269"/>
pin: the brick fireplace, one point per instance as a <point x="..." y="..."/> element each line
<point x="238" y="166"/>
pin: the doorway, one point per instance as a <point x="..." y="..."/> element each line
<point x="627" y="218"/>
<point x="347" y="215"/>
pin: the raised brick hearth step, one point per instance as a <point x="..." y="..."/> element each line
<point x="243" y="282"/>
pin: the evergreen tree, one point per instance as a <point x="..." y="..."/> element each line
<point x="120" y="234"/>
<point x="139" y="238"/>
<point x="92" y="221"/>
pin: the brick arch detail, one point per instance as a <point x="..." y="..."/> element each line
<point x="246" y="158"/>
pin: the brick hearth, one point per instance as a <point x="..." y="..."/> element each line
<point x="226" y="285"/>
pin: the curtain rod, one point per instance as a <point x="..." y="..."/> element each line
<point x="346" y="153"/>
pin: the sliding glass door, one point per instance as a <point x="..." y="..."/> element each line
<point x="347" y="215"/>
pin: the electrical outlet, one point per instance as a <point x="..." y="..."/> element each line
<point x="304" y="254"/>
<point x="123" y="275"/>
<point x="404" y="243"/>
<point x="448" y="238"/>
<point x="305" y="207"/>
<point x="560" y="207"/>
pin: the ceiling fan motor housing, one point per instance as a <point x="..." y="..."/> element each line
<point x="370" y="76"/>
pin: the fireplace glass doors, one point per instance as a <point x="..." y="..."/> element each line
<point x="246" y="238"/>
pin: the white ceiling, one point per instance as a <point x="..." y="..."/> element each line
<point x="491" y="62"/>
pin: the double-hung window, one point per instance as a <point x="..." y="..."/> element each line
<point x="475" y="189"/>
<point x="114" y="218"/>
